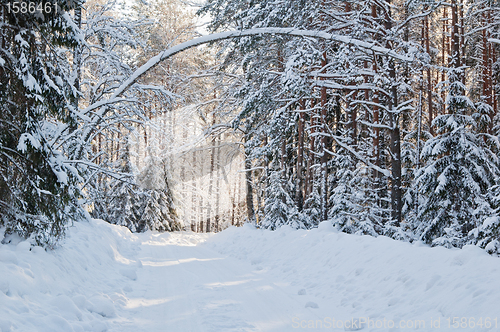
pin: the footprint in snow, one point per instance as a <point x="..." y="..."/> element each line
<point x="129" y="273"/>
<point x="313" y="305"/>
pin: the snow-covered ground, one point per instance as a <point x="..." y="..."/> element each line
<point x="104" y="278"/>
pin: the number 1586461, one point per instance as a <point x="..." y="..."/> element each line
<point x="28" y="7"/>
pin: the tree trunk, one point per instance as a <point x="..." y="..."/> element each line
<point x="210" y="187"/>
<point x="283" y="158"/>
<point x="395" y="138"/>
<point x="249" y="188"/>
<point x="456" y="92"/>
<point x="324" y="153"/>
<point x="194" y="193"/>
<point x="366" y="118"/>
<point x="211" y="182"/>
<point x="444" y="52"/>
<point x="376" y="101"/>
<point x="461" y="34"/>
<point x="353" y="120"/>
<point x="430" y="116"/>
<point x="455" y="36"/>
<point x="376" y="134"/>
<point x="311" y="156"/>
<point x="487" y="72"/>
<point x="217" y="187"/>
<point x="77" y="62"/>
<point x="300" y="157"/>
<point x="493" y="83"/>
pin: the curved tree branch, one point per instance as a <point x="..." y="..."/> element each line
<point x="154" y="61"/>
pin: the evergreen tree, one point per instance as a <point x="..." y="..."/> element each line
<point x="39" y="190"/>
<point x="352" y="201"/>
<point x="458" y="173"/>
<point x="140" y="201"/>
<point x="279" y="207"/>
<point x="157" y="205"/>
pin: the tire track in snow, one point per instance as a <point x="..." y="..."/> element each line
<point x="182" y="287"/>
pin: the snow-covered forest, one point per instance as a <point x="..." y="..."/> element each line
<point x="392" y="130"/>
<point x="77" y="143"/>
<point x="355" y="142"/>
<point x="377" y="116"/>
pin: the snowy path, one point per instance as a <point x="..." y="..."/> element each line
<point x="182" y="287"/>
<point x="106" y="279"/>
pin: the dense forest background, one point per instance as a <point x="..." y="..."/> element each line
<point x="383" y="120"/>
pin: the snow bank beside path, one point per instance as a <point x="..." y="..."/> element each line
<point x="73" y="288"/>
<point x="348" y="277"/>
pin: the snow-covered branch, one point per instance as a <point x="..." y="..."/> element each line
<point x="154" y="61"/>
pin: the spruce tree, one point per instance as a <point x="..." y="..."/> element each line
<point x="38" y="188"/>
<point x="280" y="208"/>
<point x="157" y="205"/>
<point x="458" y="173"/>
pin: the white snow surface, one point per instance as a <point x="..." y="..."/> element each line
<point x="105" y="278"/>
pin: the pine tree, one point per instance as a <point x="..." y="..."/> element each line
<point x="455" y="182"/>
<point x="353" y="207"/>
<point x="140" y="201"/>
<point x="487" y="233"/>
<point x="158" y="209"/>
<point x="279" y="207"/>
<point x="39" y="190"/>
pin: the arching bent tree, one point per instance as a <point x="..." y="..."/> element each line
<point x="100" y="108"/>
<point x="154" y="61"/>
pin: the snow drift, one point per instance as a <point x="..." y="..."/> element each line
<point x="351" y="277"/>
<point x="73" y="288"/>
